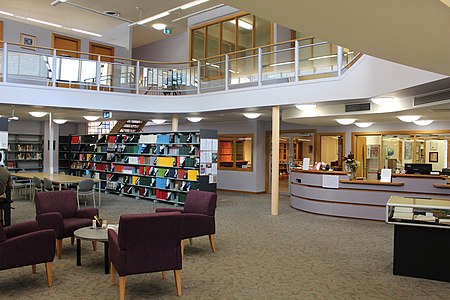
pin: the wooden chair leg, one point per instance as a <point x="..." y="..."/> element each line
<point x="72" y="240"/>
<point x="122" y="287"/>
<point x="94" y="245"/>
<point x="190" y="241"/>
<point x="112" y="271"/>
<point x="33" y="269"/>
<point x="177" y="274"/>
<point x="59" y="248"/>
<point x="182" y="249"/>
<point x="163" y="274"/>
<point x="48" y="268"/>
<point x="212" y="241"/>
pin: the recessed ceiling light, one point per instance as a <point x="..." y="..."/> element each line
<point x="383" y="100"/>
<point x="252" y="115"/>
<point x="59" y="121"/>
<point x="43" y="22"/>
<point x="158" y="121"/>
<point x="91" y="118"/>
<point x="306" y="107"/>
<point x="38" y="114"/>
<point x="410" y="118"/>
<point x="152" y="18"/>
<point x="87" y="32"/>
<point x="423" y="122"/>
<point x="159" y="26"/>
<point x="345" y="121"/>
<point x="194" y="119"/>
<point x="192" y="4"/>
<point x="363" y="124"/>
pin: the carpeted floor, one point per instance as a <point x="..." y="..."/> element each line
<point x="295" y="255"/>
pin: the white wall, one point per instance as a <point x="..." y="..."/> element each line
<point x="441" y="149"/>
<point x="172" y="49"/>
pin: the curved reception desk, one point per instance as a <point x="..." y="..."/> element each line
<point x="331" y="193"/>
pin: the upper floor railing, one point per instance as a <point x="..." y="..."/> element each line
<point x="288" y="61"/>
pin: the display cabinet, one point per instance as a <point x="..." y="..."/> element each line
<point x="25" y="152"/>
<point x="162" y="166"/>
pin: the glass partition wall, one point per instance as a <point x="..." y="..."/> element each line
<point x="393" y="151"/>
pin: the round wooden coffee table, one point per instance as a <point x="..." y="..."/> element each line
<point x="93" y="235"/>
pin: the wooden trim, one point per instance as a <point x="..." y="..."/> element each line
<point x="242" y="192"/>
<point x="441" y="186"/>
<point x="443" y="177"/>
<point x="337" y="202"/>
<point x="222" y="19"/>
<point x="371" y="182"/>
<point x="1" y="33"/>
<point x="320" y="172"/>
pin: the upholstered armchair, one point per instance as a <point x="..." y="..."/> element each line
<point x="59" y="211"/>
<point x="26" y="244"/>
<point x="198" y="216"/>
<point x="146" y="243"/>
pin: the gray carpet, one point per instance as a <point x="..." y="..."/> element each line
<point x="295" y="255"/>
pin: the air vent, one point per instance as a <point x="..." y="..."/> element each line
<point x="111" y="13"/>
<point x="357" y="107"/>
<point x="430" y="98"/>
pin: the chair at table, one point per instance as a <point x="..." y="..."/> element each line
<point x="86" y="188"/>
<point x="48" y="185"/>
<point x="146" y="243"/>
<point x="198" y="216"/>
<point x="58" y="210"/>
<point x="37" y="183"/>
<point x="26" y="244"/>
<point x="20" y="185"/>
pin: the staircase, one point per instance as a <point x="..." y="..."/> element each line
<point x="128" y="126"/>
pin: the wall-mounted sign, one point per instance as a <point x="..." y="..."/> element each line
<point x="107" y="114"/>
<point x="168" y="30"/>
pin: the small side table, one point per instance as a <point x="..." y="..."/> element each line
<point x="93" y="235"/>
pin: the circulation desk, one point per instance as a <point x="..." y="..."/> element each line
<point x="332" y="193"/>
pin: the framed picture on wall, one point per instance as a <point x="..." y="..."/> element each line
<point x="433" y="156"/>
<point x="29" y="40"/>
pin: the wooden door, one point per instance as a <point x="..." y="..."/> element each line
<point x="106" y="69"/>
<point x="360" y="155"/>
<point x="66" y="43"/>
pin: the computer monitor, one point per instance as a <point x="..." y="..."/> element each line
<point x="446" y="171"/>
<point x="418" y="168"/>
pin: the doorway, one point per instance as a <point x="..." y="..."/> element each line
<point x="68" y="66"/>
<point x="106" y="68"/>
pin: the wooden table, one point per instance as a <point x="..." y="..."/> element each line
<point x="59" y="179"/>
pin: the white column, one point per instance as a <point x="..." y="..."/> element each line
<point x="275" y="159"/>
<point x="50" y="143"/>
<point x="174" y="122"/>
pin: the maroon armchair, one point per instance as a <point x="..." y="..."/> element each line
<point x="198" y="216"/>
<point x="146" y="243"/>
<point x="26" y="244"/>
<point x="59" y="211"/>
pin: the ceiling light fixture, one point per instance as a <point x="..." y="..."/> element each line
<point x="364" y="124"/>
<point x="384" y="101"/>
<point x="159" y="26"/>
<point x="158" y="121"/>
<point x="345" y="121"/>
<point x="306" y="107"/>
<point x="322" y="57"/>
<point x="13" y="117"/>
<point x="59" y="121"/>
<point x="38" y="114"/>
<point x="54" y="3"/>
<point x="91" y="118"/>
<point x="197" y="12"/>
<point x="86" y="32"/>
<point x="423" y="122"/>
<point x="410" y="118"/>
<point x="242" y="24"/>
<point x="6" y="13"/>
<point x="252" y="115"/>
<point x="43" y="22"/>
<point x="192" y="4"/>
<point x="281" y="64"/>
<point x="149" y="19"/>
<point x="194" y="119"/>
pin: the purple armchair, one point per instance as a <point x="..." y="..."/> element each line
<point x="146" y="243"/>
<point x="26" y="244"/>
<point x="59" y="211"/>
<point x="198" y="216"/>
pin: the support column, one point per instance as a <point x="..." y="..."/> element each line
<point x="275" y="159"/>
<point x="174" y="122"/>
<point x="50" y="143"/>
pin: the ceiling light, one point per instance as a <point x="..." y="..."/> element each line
<point x="251" y="115"/>
<point x="423" y="122"/>
<point x="192" y="4"/>
<point x="159" y="26"/>
<point x="194" y="119"/>
<point x="44" y="22"/>
<point x="243" y="24"/>
<point x="408" y="118"/>
<point x="383" y="100"/>
<point x="363" y="124"/>
<point x="322" y="57"/>
<point x="54" y="3"/>
<point x="87" y="32"/>
<point x="59" y="121"/>
<point x="306" y="107"/>
<point x="152" y="18"/>
<point x="345" y="121"/>
<point x="6" y="13"/>
<point x="91" y="118"/>
<point x="38" y="114"/>
<point x="158" y="121"/>
<point x="281" y="64"/>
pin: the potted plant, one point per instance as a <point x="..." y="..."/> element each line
<point x="351" y="165"/>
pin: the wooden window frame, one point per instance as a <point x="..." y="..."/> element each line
<point x="234" y="138"/>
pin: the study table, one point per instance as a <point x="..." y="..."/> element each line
<point x="58" y="179"/>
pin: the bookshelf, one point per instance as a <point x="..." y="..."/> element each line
<point x="226" y="153"/>
<point x="25" y="152"/>
<point x="64" y="154"/>
<point x="162" y="166"/>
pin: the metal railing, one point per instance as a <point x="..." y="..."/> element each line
<point x="289" y="61"/>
